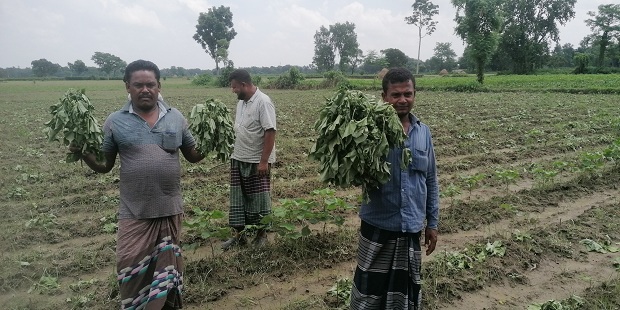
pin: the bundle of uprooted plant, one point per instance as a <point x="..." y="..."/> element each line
<point x="73" y="123"/>
<point x="212" y="127"/>
<point x="356" y="132"/>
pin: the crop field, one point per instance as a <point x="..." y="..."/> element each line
<point x="530" y="205"/>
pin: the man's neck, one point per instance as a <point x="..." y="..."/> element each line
<point x="251" y="94"/>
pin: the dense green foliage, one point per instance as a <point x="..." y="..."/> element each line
<point x="109" y="63"/>
<point x="214" y="32"/>
<point x="479" y="27"/>
<point x="339" y="39"/>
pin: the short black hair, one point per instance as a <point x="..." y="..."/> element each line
<point x="397" y="75"/>
<point x="240" y="75"/>
<point x="140" y="65"/>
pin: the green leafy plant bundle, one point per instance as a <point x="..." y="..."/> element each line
<point x="73" y="123"/>
<point x="355" y="135"/>
<point x="212" y="126"/>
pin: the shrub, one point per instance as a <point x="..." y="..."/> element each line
<point x="288" y="80"/>
<point x="582" y="60"/>
<point x="332" y="79"/>
<point x="222" y="80"/>
<point x="203" y="80"/>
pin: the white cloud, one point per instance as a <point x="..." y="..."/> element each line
<point x="300" y="18"/>
<point x="270" y="32"/>
<point x="197" y="6"/>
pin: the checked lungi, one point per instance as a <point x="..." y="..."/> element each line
<point x="388" y="270"/>
<point x="149" y="263"/>
<point x="250" y="194"/>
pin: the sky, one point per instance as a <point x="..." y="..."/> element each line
<point x="269" y="32"/>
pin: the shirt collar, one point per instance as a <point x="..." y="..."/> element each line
<point x="163" y="108"/>
<point x="253" y="96"/>
<point x="413" y="119"/>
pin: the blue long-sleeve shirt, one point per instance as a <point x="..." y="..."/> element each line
<point x="411" y="196"/>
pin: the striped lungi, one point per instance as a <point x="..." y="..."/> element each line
<point x="388" y="270"/>
<point x="149" y="263"/>
<point x="250" y="197"/>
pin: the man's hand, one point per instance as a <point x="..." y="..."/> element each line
<point x="263" y="169"/>
<point x="430" y="240"/>
<point x="74" y="148"/>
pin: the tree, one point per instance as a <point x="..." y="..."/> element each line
<point x="562" y="56"/>
<point x="344" y="40"/>
<point x="324" y="55"/>
<point x="108" y="63"/>
<point x="529" y="27"/>
<point x="605" y="25"/>
<point x="478" y="24"/>
<point x="373" y="63"/>
<point x="356" y="60"/>
<point x="445" y="55"/>
<point x="78" y="67"/>
<point x="422" y="17"/>
<point x="222" y="53"/>
<point x="395" y="57"/>
<point x="581" y="60"/>
<point x="44" y="67"/>
<point x="213" y="27"/>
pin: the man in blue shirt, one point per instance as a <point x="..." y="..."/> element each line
<point x="390" y="255"/>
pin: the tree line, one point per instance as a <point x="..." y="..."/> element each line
<point x="512" y="36"/>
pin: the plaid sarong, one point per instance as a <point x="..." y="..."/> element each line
<point x="250" y="195"/>
<point x="388" y="270"/>
<point x="149" y="263"/>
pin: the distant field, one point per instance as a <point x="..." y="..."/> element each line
<point x="567" y="83"/>
<point x="530" y="204"/>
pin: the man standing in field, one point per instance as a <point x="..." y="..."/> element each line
<point x="389" y="254"/>
<point x="147" y="134"/>
<point x="253" y="154"/>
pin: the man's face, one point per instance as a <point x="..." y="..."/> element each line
<point x="239" y="88"/>
<point x="401" y="96"/>
<point x="144" y="89"/>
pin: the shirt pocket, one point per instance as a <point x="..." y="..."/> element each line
<point x="170" y="141"/>
<point x="419" y="160"/>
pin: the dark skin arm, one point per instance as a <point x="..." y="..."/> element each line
<point x="270" y="139"/>
<point x="430" y="240"/>
<point x="191" y="154"/>
<point x="105" y="167"/>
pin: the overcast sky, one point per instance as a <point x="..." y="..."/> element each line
<point x="269" y="32"/>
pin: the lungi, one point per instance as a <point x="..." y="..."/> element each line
<point x="250" y="194"/>
<point x="149" y="263"/>
<point x="388" y="270"/>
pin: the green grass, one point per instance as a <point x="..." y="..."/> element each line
<point x="564" y="83"/>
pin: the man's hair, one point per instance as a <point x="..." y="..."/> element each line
<point x="241" y="76"/>
<point x="397" y="75"/>
<point x="140" y="65"/>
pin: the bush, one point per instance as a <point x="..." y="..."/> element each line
<point x="467" y="88"/>
<point x="582" y="60"/>
<point x="203" y="80"/>
<point x="288" y="80"/>
<point x="256" y="80"/>
<point x="333" y="79"/>
<point x="222" y="80"/>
